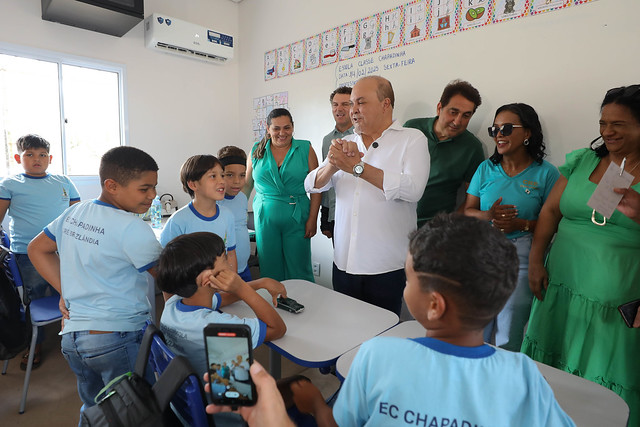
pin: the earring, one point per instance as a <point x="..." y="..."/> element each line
<point x="526" y="141"/>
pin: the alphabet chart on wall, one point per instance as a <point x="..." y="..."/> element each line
<point x="408" y="23"/>
<point x="262" y="106"/>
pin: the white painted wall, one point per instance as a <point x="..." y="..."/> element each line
<point x="560" y="62"/>
<point x="177" y="107"/>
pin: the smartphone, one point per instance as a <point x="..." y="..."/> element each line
<point x="229" y="356"/>
<point x="289" y="304"/>
<point x="629" y="311"/>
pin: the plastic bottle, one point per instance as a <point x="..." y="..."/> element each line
<point x="155" y="213"/>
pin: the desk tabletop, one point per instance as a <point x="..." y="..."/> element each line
<point x="330" y="325"/>
<point x="587" y="403"/>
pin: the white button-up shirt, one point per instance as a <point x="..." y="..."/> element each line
<point x="372" y="226"/>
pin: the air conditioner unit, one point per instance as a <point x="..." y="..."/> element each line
<point x="171" y="35"/>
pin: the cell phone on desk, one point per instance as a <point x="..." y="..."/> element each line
<point x="629" y="311"/>
<point x="229" y="356"/>
<point x="290" y="305"/>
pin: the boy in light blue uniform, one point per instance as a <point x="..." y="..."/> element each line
<point x="460" y="272"/>
<point x="202" y="178"/>
<point x="194" y="306"/>
<point x="33" y="199"/>
<point x="105" y="251"/>
<point x="234" y="160"/>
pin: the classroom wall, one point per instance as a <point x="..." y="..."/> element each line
<point x="177" y="107"/>
<point x="560" y="62"/>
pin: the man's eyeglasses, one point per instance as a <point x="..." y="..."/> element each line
<point x="505" y="129"/>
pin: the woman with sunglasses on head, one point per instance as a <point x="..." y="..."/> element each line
<point x="509" y="190"/>
<point x="593" y="265"/>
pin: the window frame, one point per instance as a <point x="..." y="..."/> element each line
<point x="61" y="59"/>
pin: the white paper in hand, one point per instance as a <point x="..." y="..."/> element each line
<point x="603" y="199"/>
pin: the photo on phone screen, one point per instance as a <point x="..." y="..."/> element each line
<point x="229" y="356"/>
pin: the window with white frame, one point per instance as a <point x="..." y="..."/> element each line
<point x="75" y="104"/>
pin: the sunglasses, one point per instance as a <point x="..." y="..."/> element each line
<point x="505" y="129"/>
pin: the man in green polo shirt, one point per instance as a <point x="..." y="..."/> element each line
<point x="455" y="152"/>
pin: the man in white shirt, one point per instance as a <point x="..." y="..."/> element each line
<point x="379" y="174"/>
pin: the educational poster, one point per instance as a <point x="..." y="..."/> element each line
<point x="329" y="49"/>
<point x="368" y="35"/>
<point x="391" y="28"/>
<point x="283" y="60"/>
<point x="262" y="106"/>
<point x="444" y="15"/>
<point x="297" y="57"/>
<point x="475" y="13"/>
<point x="312" y="51"/>
<point x="539" y="6"/>
<point x="577" y="2"/>
<point x="506" y="10"/>
<point x="348" y="39"/>
<point x="415" y="22"/>
<point x="270" y="65"/>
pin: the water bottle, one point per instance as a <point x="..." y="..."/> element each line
<point x="155" y="212"/>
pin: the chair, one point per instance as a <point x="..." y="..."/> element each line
<point x="43" y="312"/>
<point x="189" y="401"/>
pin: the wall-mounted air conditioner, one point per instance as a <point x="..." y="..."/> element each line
<point x="177" y="37"/>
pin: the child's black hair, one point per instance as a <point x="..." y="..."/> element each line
<point x="30" y="142"/>
<point x="467" y="260"/>
<point x="122" y="164"/>
<point x="195" y="167"/>
<point x="184" y="258"/>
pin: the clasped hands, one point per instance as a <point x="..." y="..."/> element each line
<point x="504" y="217"/>
<point x="344" y="155"/>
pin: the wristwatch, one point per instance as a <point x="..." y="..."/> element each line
<point x="358" y="169"/>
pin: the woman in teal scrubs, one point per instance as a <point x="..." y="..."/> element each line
<point x="285" y="218"/>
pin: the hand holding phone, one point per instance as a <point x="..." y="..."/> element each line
<point x="629" y="311"/>
<point x="229" y="357"/>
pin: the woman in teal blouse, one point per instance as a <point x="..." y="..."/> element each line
<point x="285" y="218"/>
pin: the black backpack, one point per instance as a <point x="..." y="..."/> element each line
<point x="129" y="400"/>
<point x="15" y="326"/>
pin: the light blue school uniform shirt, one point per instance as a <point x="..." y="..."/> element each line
<point x="424" y="381"/>
<point x="528" y="190"/>
<point x="188" y="220"/>
<point x="183" y="325"/>
<point x="35" y="202"/>
<point x="238" y="206"/>
<point x="104" y="255"/>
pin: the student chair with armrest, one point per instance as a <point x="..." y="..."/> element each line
<point x="43" y="311"/>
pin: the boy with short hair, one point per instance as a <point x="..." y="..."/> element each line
<point x="194" y="305"/>
<point x="104" y="252"/>
<point x="460" y="273"/>
<point x="33" y="199"/>
<point x="234" y="160"/>
<point x="202" y="177"/>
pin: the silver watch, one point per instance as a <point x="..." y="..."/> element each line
<point x="358" y="169"/>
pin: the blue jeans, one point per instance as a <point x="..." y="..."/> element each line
<point x="96" y="359"/>
<point x="384" y="290"/>
<point x="507" y="330"/>
<point x="35" y="286"/>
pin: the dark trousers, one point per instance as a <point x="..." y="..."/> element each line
<point x="384" y="290"/>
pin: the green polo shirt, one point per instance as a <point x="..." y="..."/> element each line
<point x="453" y="161"/>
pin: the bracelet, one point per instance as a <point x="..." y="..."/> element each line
<point x="526" y="225"/>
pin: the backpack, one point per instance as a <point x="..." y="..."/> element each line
<point x="129" y="400"/>
<point x="15" y="326"/>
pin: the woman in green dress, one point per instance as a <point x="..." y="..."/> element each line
<point x="594" y="263"/>
<point x="285" y="218"/>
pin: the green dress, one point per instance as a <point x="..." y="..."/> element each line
<point x="281" y="209"/>
<point x="592" y="270"/>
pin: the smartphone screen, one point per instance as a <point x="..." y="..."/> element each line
<point x="229" y="356"/>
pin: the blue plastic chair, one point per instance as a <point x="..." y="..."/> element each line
<point x="189" y="401"/>
<point x="43" y="312"/>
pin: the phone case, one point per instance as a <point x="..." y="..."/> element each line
<point x="629" y="311"/>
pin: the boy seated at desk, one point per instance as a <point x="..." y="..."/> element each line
<point x="194" y="267"/>
<point x="460" y="273"/>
